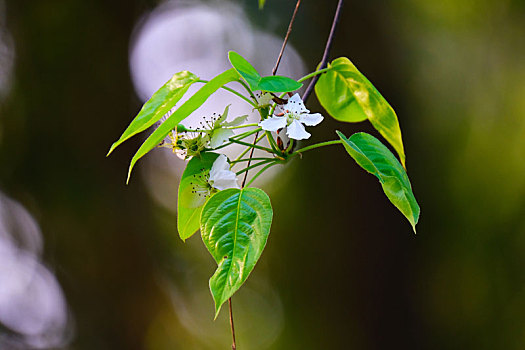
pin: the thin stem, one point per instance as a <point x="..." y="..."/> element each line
<point x="248" y="149"/>
<point x="239" y="137"/>
<point x="248" y="168"/>
<point x="247" y="88"/>
<point x="272" y="142"/>
<point x="311" y="75"/>
<point x="274" y="70"/>
<point x="241" y="126"/>
<point x="247" y="159"/>
<point x="324" y="60"/>
<point x="234" y="344"/>
<point x="246" y="133"/>
<point x="251" y="145"/>
<point x="316" y="145"/>
<point x="261" y="172"/>
<point x="233" y="92"/>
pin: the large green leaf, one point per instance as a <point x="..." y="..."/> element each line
<point x="377" y="159"/>
<point x="191" y="196"/>
<point x="158" y="105"/>
<point x="234" y="226"/>
<point x="182" y="112"/>
<point x="273" y="83"/>
<point x="277" y="83"/>
<point x="245" y="69"/>
<point x="348" y="96"/>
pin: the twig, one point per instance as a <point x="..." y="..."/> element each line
<point x="273" y="73"/>
<point x="234" y="344"/>
<point x="327" y="48"/>
<point x="274" y="70"/>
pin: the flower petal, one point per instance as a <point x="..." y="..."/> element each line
<point x="225" y="179"/>
<point x="296" y="105"/>
<point x="273" y="123"/>
<point x="220" y="164"/>
<point x="311" y="119"/>
<point x="237" y="121"/>
<point x="219" y="136"/>
<point x="296" y="131"/>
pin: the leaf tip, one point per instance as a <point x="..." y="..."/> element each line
<point x="113" y="146"/>
<point x="129" y="172"/>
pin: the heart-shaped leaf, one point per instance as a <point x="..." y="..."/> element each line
<point x="182" y="112"/>
<point x="377" y="159"/>
<point x="277" y="83"/>
<point x="193" y="193"/>
<point x="234" y="226"/>
<point x="245" y="69"/>
<point x="158" y="105"/>
<point x="348" y="96"/>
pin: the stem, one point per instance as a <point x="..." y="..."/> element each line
<point x="324" y="60"/>
<point x="251" y="145"/>
<point x="233" y="92"/>
<point x="234" y="345"/>
<point x="239" y="137"/>
<point x="248" y="149"/>
<point x="316" y="145"/>
<point x="250" y="92"/>
<point x="245" y="160"/>
<point x="260" y="172"/>
<point x="274" y="70"/>
<point x="272" y="142"/>
<point x="255" y="166"/>
<point x="311" y="75"/>
<point x="241" y="126"/>
<point x="246" y="134"/>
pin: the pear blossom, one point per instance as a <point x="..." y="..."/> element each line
<point x="221" y="177"/>
<point x="218" y="131"/>
<point x="292" y="116"/>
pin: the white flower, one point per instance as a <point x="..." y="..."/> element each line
<point x="219" y="132"/>
<point x="221" y="177"/>
<point x="294" y="114"/>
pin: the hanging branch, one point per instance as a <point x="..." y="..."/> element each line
<point x="274" y="70"/>
<point x="327" y="48"/>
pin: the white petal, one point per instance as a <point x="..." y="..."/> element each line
<point x="220" y="136"/>
<point x="296" y="105"/>
<point x="273" y="123"/>
<point x="223" y="116"/>
<point x="225" y="179"/>
<point x="237" y="121"/>
<point x="296" y="131"/>
<point x="220" y="164"/>
<point x="311" y="119"/>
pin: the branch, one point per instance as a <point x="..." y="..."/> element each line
<point x="327" y="48"/>
<point x="274" y="70"/>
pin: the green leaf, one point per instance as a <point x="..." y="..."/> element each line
<point x="348" y="96"/>
<point x="158" y="105"/>
<point x="278" y="84"/>
<point x="261" y="4"/>
<point x="190" y="204"/>
<point x="181" y="113"/>
<point x="377" y="159"/>
<point x="234" y="226"/>
<point x="245" y="69"/>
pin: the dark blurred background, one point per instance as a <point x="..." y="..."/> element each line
<point x="87" y="262"/>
